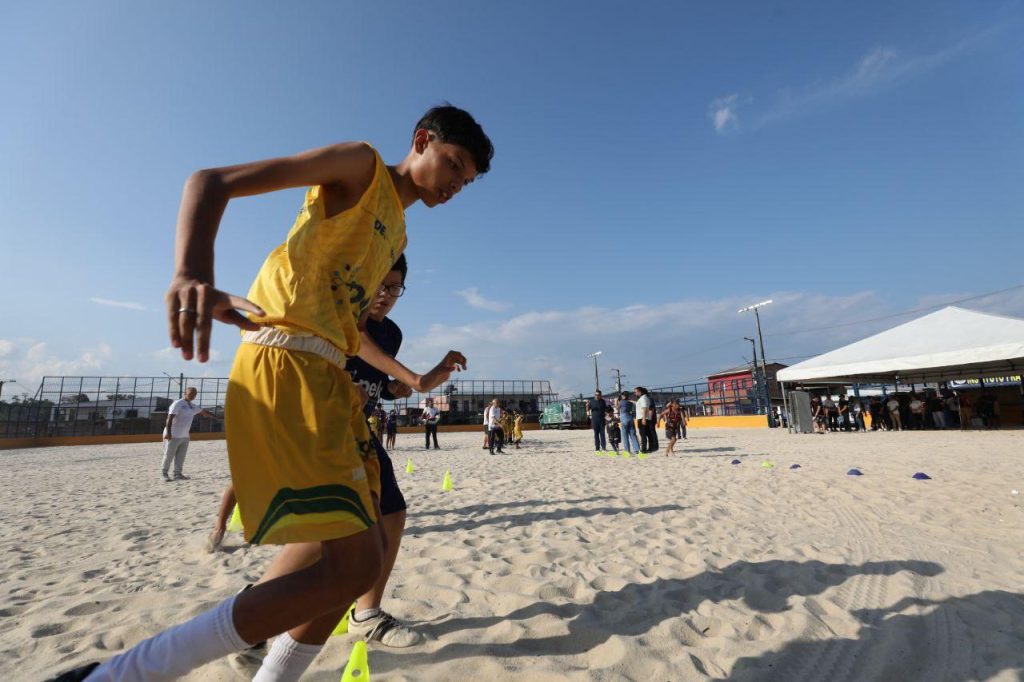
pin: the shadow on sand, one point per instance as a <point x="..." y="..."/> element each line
<point x="975" y="637"/>
<point x="635" y="609"/>
<point x="484" y="508"/>
<point x="533" y="517"/>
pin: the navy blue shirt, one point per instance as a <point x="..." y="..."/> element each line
<point x="388" y="336"/>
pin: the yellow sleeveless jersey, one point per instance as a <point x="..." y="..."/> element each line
<point x="327" y="272"/>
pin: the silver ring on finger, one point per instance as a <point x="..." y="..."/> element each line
<point x="191" y="311"/>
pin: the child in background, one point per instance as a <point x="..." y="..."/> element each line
<point x="614" y="432"/>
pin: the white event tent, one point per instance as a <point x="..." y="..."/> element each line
<point x="951" y="343"/>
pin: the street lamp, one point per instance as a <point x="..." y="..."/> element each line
<point x="597" y="381"/>
<point x="760" y="339"/>
<point x="6" y="381"/>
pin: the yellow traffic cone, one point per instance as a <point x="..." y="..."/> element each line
<point x="446" y="484"/>
<point x="235" y="523"/>
<point x="408" y="466"/>
<point x="358" y="668"/>
<point x="342" y="627"/>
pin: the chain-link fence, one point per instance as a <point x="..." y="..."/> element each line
<point x="462" y="401"/>
<point x="706" y="400"/>
<point x="96" y="406"/>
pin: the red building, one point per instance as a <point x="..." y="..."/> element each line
<point x="736" y="386"/>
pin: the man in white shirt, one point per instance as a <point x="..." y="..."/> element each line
<point x="176" y="430"/>
<point x="496" y="436"/>
<point x="431" y="415"/>
<point x="894" y="413"/>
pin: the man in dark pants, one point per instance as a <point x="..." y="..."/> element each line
<point x="596" y="409"/>
<point x="431" y="415"/>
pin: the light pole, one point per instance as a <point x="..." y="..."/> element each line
<point x="6" y="381"/>
<point x="764" y="368"/>
<point x="597" y="380"/>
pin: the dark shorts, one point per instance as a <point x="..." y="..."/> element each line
<point x="391" y="429"/>
<point x="391" y="498"/>
<point x="673" y="431"/>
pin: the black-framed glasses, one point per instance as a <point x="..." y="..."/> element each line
<point x="394" y="290"/>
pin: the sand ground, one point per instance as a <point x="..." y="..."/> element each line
<point x="554" y="564"/>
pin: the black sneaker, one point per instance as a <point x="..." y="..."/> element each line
<point x="181" y="477"/>
<point x="76" y="675"/>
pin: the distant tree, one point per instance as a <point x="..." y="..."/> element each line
<point x="120" y="396"/>
<point x="80" y="398"/>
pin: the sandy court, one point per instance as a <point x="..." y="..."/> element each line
<point x="551" y="563"/>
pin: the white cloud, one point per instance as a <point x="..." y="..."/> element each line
<point x="170" y="354"/>
<point x="29" y="361"/>
<point x="879" y="68"/>
<point x="118" y="304"/>
<point x="473" y="297"/>
<point x="661" y="344"/>
<point x="722" y="112"/>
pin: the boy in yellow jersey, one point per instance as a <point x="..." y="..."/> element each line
<point x="298" y="444"/>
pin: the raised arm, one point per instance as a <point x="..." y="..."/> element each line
<point x="370" y="352"/>
<point x="192" y="301"/>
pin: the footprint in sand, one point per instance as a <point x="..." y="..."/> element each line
<point x="140" y="534"/>
<point x="49" y="630"/>
<point x="87" y="609"/>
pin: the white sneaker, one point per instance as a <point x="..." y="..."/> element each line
<point x="386" y="629"/>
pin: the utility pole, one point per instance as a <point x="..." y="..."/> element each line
<point x="6" y="381"/>
<point x="764" y="368"/>
<point x="753" y="374"/>
<point x="597" y="380"/>
<point x="618" y="379"/>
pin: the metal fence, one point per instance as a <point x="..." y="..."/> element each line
<point x="462" y="401"/>
<point x="95" y="406"/>
<point x="701" y="400"/>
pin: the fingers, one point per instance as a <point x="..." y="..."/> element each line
<point x="171" y="301"/>
<point x="186" y="319"/>
<point x="237" y="319"/>
<point x="204" y="320"/>
<point x="454" y="360"/>
<point x="244" y="304"/>
<point x="192" y="306"/>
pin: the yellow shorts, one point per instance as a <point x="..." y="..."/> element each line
<point x="300" y="452"/>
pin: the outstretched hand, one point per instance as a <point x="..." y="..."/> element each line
<point x="453" y="361"/>
<point x="193" y="305"/>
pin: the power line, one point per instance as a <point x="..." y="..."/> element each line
<point x="901" y="314"/>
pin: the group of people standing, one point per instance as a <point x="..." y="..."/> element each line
<point x="900" y="412"/>
<point x="384" y="425"/>
<point x="501" y="427"/>
<point x="632" y="420"/>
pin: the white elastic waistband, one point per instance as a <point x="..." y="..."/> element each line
<point x="271" y="336"/>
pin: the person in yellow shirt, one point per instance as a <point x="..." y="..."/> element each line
<point x="298" y="445"/>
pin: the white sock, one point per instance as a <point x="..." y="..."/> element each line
<point x="286" y="660"/>
<point x="174" y="653"/>
<point x="366" y="614"/>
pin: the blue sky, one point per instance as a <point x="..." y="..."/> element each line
<point x="658" y="165"/>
